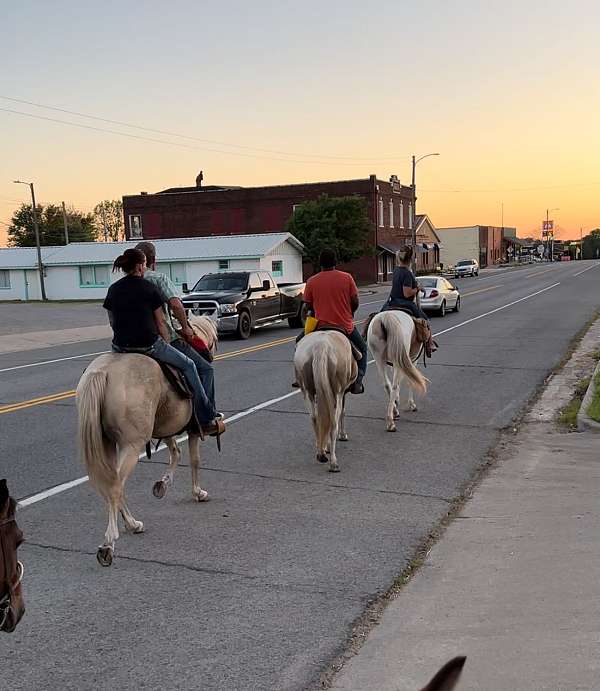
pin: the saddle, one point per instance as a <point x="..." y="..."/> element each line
<point x="355" y="351"/>
<point x="420" y="337"/>
<point x="176" y="380"/>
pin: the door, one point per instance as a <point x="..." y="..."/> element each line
<point x="267" y="301"/>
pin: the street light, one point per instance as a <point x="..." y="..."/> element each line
<point x="548" y="244"/>
<point x="37" y="237"/>
<point x="414" y="213"/>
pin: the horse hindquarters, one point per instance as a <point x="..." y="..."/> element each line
<point x="327" y="408"/>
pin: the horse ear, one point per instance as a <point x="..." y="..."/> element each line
<point x="447" y="678"/>
<point x="3" y="493"/>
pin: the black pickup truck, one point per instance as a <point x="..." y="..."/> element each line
<point x="240" y="301"/>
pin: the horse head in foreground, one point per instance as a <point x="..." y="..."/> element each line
<point x="447" y="678"/>
<point x="391" y="339"/>
<point x="12" y="606"/>
<point x="123" y="401"/>
<point x="325" y="369"/>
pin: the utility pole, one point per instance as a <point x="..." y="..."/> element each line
<point x="65" y="223"/>
<point x="580" y="242"/>
<point x="37" y="238"/>
<point x="414" y="208"/>
<point x="104" y="224"/>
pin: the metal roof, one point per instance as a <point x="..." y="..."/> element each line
<point x="177" y="249"/>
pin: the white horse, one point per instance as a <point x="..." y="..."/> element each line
<point x="325" y="370"/>
<point x="124" y="400"/>
<point x="391" y="340"/>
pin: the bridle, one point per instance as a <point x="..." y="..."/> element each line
<point x="13" y="584"/>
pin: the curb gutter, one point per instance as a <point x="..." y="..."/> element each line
<point x="584" y="421"/>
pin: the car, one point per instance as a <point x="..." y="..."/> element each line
<point x="466" y="267"/>
<point x="241" y="301"/>
<point x="439" y="295"/>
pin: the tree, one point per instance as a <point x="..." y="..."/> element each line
<point x="341" y="223"/>
<point x="108" y="217"/>
<point x="591" y="245"/>
<point x="21" y="231"/>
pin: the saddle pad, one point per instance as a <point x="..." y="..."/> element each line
<point x="355" y="351"/>
<point x="176" y="380"/>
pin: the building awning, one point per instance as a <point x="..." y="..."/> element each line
<point x="392" y="248"/>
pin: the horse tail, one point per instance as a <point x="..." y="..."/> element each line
<point x="94" y="447"/>
<point x="325" y="398"/>
<point x="398" y="355"/>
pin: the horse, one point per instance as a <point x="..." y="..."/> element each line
<point x="391" y="340"/>
<point x="447" y="677"/>
<point x="12" y="605"/>
<point x="325" y="369"/>
<point x="123" y="401"/>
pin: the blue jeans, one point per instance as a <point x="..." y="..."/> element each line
<point x="163" y="352"/>
<point x="206" y="371"/>
<point x="410" y="305"/>
<point x="361" y="344"/>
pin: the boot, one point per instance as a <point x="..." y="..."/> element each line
<point x="358" y="386"/>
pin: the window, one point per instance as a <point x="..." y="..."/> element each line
<point x="391" y="214"/>
<point x="381" y="213"/>
<point x="277" y="268"/>
<point x="135" y="227"/>
<point x="255" y="280"/>
<point x="265" y="277"/>
<point x="176" y="271"/>
<point x="401" y="214"/>
<point x="223" y="264"/>
<point x="93" y="276"/>
<point x="4" y="278"/>
<point x="410" y="216"/>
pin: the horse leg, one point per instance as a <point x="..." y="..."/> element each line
<point x="333" y="433"/>
<point x="133" y="525"/>
<point x="343" y="436"/>
<point x="105" y="552"/>
<point x="161" y="486"/>
<point x="392" y="410"/>
<point x="194" y="447"/>
<point x="312" y="407"/>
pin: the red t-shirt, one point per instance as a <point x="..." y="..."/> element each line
<point x="330" y="294"/>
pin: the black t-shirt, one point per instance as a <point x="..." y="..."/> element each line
<point x="402" y="277"/>
<point x="132" y="301"/>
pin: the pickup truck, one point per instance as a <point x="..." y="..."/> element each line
<point x="240" y="301"/>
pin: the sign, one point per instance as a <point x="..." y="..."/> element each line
<point x="548" y="225"/>
<point x="540" y="250"/>
<point x="395" y="183"/>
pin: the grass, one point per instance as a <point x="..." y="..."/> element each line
<point x="594" y="408"/>
<point x="568" y="415"/>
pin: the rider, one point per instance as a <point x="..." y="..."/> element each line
<point x="135" y="313"/>
<point x="332" y="296"/>
<point x="179" y="340"/>
<point x="404" y="290"/>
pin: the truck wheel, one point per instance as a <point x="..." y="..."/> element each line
<point x="244" y="327"/>
<point x="299" y="321"/>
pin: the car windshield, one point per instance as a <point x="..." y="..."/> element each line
<point x="428" y="282"/>
<point x="216" y="282"/>
<point x="465" y="262"/>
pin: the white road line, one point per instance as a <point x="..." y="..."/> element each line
<point x="51" y="362"/>
<point x="35" y="498"/>
<point x="593" y="266"/>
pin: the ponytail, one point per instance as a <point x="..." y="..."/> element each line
<point x="404" y="255"/>
<point x="127" y="261"/>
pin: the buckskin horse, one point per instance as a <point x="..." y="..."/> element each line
<point x="325" y="369"/>
<point x="123" y="401"/>
<point x="12" y="606"/>
<point x="391" y="340"/>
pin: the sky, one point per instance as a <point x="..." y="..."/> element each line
<point x="271" y="93"/>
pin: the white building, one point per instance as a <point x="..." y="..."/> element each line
<point x="83" y="270"/>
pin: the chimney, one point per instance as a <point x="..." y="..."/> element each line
<point x="199" y="179"/>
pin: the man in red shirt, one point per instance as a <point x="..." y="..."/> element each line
<point x="332" y="296"/>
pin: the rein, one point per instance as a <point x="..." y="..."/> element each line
<point x="6" y="600"/>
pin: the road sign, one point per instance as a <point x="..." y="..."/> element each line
<point x="548" y="225"/>
<point x="540" y="250"/>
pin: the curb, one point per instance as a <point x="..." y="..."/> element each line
<point x="584" y="421"/>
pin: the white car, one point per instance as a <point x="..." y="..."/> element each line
<point x="466" y="267"/>
<point x="439" y="295"/>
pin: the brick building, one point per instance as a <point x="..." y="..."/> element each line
<point x="483" y="243"/>
<point x="221" y="210"/>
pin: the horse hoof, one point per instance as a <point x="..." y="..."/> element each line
<point x="201" y="495"/>
<point x="160" y="489"/>
<point x="138" y="528"/>
<point x="322" y="458"/>
<point x="104" y="555"/>
<point x="343" y="437"/>
<point x="334" y="468"/>
<point x="391" y="428"/>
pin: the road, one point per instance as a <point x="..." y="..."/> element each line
<point x="258" y="588"/>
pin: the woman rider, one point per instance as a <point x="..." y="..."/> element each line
<point x="137" y="319"/>
<point x="404" y="290"/>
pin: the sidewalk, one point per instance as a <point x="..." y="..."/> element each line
<point x="513" y="583"/>
<point x="33" y="340"/>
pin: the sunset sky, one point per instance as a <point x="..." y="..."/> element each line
<point x="270" y="93"/>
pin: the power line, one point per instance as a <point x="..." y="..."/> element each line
<point x="344" y="161"/>
<point x="513" y="189"/>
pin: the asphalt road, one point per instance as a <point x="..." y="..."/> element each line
<point x="258" y="588"/>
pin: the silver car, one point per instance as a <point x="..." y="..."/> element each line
<point x="466" y="267"/>
<point x="439" y="295"/>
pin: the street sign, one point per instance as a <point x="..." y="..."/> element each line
<point x="540" y="250"/>
<point x="548" y="225"/>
